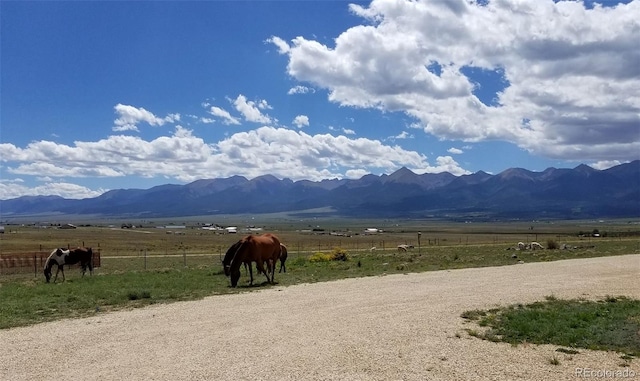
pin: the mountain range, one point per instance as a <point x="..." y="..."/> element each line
<point x="581" y="192"/>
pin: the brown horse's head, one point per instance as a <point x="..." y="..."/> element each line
<point x="228" y="258"/>
<point x="232" y="268"/>
<point x="235" y="276"/>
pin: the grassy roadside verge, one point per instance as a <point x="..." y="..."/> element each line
<point x="609" y="324"/>
<point x="31" y="301"/>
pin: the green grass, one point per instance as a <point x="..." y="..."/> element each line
<point x="32" y="301"/>
<point x="609" y="324"/>
<point x="123" y="282"/>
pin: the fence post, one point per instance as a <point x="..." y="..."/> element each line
<point x="35" y="266"/>
<point x="184" y="256"/>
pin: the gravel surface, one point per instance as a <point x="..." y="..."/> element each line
<point x="395" y="327"/>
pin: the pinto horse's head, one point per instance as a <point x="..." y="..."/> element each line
<point x="47" y="274"/>
<point x="50" y="262"/>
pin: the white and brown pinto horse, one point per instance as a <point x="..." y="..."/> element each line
<point x="62" y="257"/>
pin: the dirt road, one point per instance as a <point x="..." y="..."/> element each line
<point x="397" y="327"/>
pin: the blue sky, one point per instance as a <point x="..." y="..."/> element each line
<point x="107" y="95"/>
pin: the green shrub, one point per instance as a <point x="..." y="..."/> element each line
<point x="135" y="295"/>
<point x="339" y="254"/>
<point x="552" y="244"/>
<point x="336" y="254"/>
<point x="320" y="257"/>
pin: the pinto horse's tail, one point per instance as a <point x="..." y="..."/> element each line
<point x="90" y="264"/>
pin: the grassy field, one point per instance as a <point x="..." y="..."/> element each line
<point x="149" y="265"/>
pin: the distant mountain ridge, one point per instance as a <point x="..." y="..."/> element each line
<point x="581" y="192"/>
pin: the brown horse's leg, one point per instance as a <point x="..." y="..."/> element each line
<point x="283" y="267"/>
<point x="270" y="270"/>
<point x="260" y="264"/>
<point x="272" y="264"/>
<point x="250" y="274"/>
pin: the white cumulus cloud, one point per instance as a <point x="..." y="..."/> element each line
<point x="300" y="90"/>
<point x="301" y="121"/>
<point x="186" y="157"/>
<point x="224" y="115"/>
<point x="570" y="74"/>
<point x="129" y="117"/>
<point x="250" y="110"/>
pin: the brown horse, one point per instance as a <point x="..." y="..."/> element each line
<point x="62" y="257"/>
<point x="260" y="249"/>
<point x="228" y="257"/>
<point x="283" y="258"/>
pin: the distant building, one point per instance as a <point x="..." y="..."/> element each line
<point x="67" y="226"/>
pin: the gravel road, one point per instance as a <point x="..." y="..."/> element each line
<point x="395" y="327"/>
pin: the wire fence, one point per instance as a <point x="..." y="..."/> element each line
<point x="136" y="258"/>
<point x="19" y="263"/>
<point x="184" y="253"/>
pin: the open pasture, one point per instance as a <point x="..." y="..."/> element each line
<point x="304" y="236"/>
<point x="147" y="265"/>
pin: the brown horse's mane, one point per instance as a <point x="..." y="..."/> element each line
<point x="228" y="257"/>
